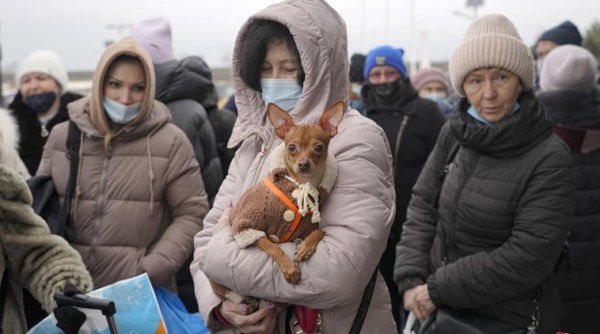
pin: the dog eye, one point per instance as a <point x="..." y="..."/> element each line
<point x="292" y="148"/>
<point x="319" y="148"/>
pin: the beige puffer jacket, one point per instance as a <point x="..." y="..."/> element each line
<point x="357" y="215"/>
<point x="141" y="197"/>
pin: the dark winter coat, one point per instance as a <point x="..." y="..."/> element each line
<point x="33" y="134"/>
<point x="423" y="124"/>
<point x="578" y="112"/>
<point x="411" y="126"/>
<point x="504" y="211"/>
<point x="183" y="85"/>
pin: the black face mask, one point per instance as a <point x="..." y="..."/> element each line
<point x="387" y="93"/>
<point x="40" y="102"/>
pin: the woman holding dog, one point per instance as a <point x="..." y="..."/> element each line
<point x="294" y="54"/>
<point x="491" y="209"/>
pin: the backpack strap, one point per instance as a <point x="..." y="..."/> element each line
<point x="73" y="143"/>
<point x="3" y="292"/>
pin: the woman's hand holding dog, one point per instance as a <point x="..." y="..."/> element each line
<point x="223" y="222"/>
<point x="262" y="321"/>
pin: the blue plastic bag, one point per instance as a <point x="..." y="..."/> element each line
<point x="176" y="317"/>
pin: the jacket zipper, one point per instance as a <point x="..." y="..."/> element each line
<point x="263" y="153"/>
<point x="398" y="141"/>
<point x="100" y="203"/>
<point x="458" y="193"/>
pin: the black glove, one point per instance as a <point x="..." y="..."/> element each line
<point x="68" y="318"/>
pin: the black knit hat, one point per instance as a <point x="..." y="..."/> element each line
<point x="357" y="63"/>
<point x="564" y="33"/>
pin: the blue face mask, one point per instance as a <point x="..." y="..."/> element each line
<point x="478" y="117"/>
<point x="282" y="92"/>
<point x="438" y="98"/>
<point x="40" y="103"/>
<point x="356" y="88"/>
<point x="120" y="113"/>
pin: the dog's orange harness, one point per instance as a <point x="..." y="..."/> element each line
<point x="294" y="224"/>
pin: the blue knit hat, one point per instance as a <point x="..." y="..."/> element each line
<point x="385" y="55"/>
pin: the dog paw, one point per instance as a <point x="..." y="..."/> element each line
<point x="291" y="274"/>
<point x="304" y="252"/>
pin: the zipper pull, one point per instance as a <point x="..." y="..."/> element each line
<point x="44" y="131"/>
<point x="263" y="150"/>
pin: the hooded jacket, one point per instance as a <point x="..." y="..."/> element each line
<point x="139" y="194"/>
<point x="357" y="215"/>
<point x="576" y="115"/>
<point x="505" y="208"/>
<point x="33" y="258"/>
<point x="183" y="85"/>
<point x="34" y="134"/>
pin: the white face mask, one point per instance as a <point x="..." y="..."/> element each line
<point x="282" y="92"/>
<point x="120" y="113"/>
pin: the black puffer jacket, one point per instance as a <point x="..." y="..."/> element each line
<point x="183" y="85"/>
<point x="33" y="136"/>
<point x="411" y="126"/>
<point x="578" y="111"/>
<point x="419" y="135"/>
<point x="504" y="212"/>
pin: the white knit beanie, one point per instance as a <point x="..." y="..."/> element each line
<point x="47" y="62"/>
<point x="491" y="41"/>
<point x="568" y="66"/>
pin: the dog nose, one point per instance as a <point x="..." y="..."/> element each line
<point x="304" y="166"/>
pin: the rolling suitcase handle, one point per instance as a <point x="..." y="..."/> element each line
<point x="80" y="300"/>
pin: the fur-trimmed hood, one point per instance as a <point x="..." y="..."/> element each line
<point x="9" y="143"/>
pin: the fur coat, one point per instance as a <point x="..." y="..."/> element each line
<point x="9" y="143"/>
<point x="35" y="259"/>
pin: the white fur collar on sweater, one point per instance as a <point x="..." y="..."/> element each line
<point x="331" y="170"/>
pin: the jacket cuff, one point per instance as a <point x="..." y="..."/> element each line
<point x="408" y="283"/>
<point x="434" y="294"/>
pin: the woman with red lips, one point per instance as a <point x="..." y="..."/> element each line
<point x="492" y="207"/>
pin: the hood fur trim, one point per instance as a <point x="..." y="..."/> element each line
<point x="9" y="133"/>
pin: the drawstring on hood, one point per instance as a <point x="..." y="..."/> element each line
<point x="150" y="170"/>
<point x="77" y="184"/>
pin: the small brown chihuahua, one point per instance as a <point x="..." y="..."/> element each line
<point x="266" y="215"/>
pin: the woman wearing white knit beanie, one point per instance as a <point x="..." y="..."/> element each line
<point x="40" y="103"/>
<point x="491" y="209"/>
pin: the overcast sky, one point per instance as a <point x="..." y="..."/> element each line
<point x="77" y="29"/>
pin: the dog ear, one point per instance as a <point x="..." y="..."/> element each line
<point x="281" y="120"/>
<point x="332" y="117"/>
